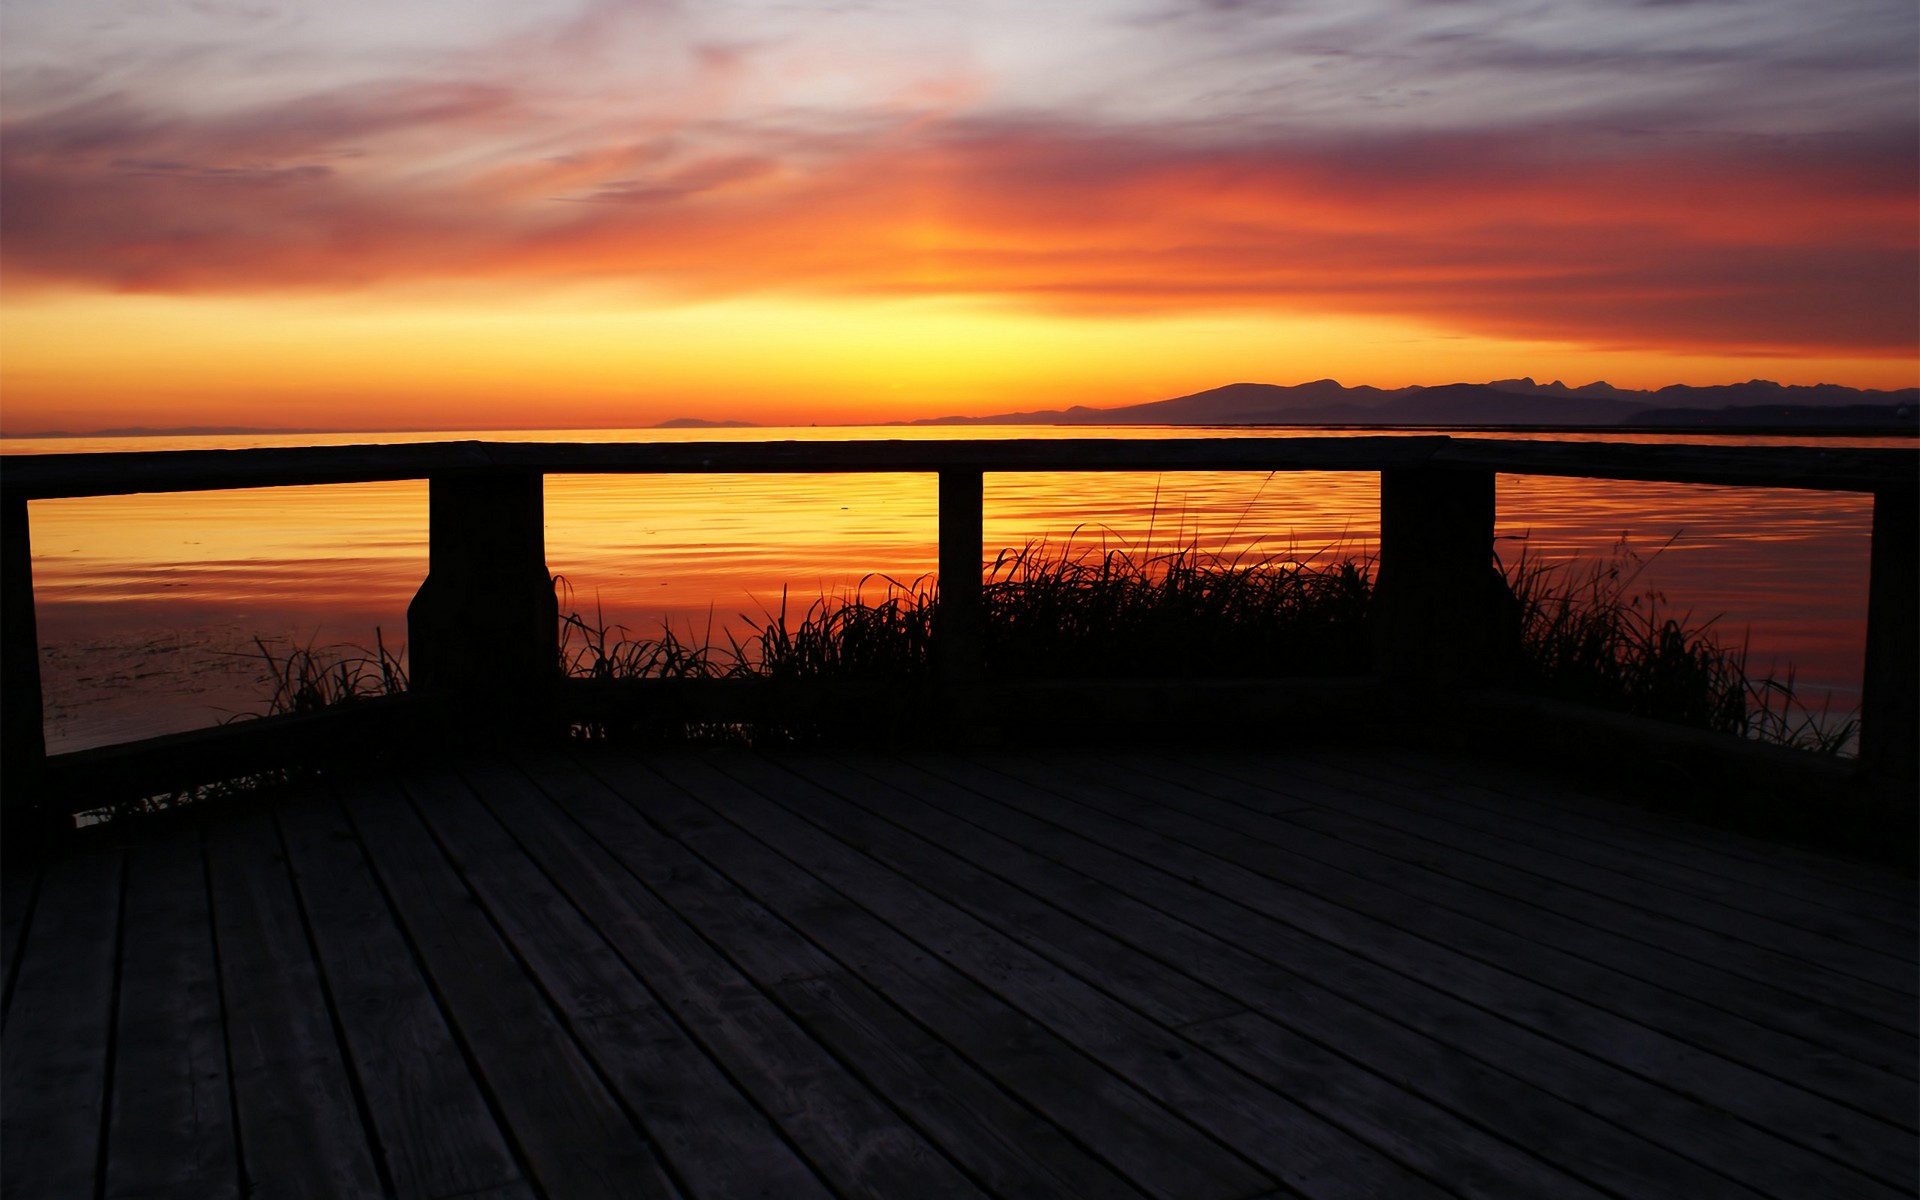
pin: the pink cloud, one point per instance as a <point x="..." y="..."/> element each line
<point x="1575" y="234"/>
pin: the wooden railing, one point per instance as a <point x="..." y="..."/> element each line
<point x="482" y="628"/>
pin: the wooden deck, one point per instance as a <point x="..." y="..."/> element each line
<point x="1057" y="974"/>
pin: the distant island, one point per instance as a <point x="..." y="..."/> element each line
<point x="1758" y="404"/>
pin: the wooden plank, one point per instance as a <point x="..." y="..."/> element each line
<point x="435" y="1131"/>
<point x="54" y="1055"/>
<point x="565" y="912"/>
<point x="571" y="1133"/>
<point x="1438" y="607"/>
<point x="1494" y="970"/>
<point x="1524" y="1087"/>
<point x="1531" y="1022"/>
<point x="1154" y="1149"/>
<point x="1427" y="859"/>
<point x="301" y="1132"/>
<point x="1864" y="889"/>
<point x="172" y="1123"/>
<point x="356" y="732"/>
<point x="1270" y="1129"/>
<point x="1422" y="1136"/>
<point x="1659" y="849"/>
<point x="1825" y="468"/>
<point x="1875" y="980"/>
<point x="993" y="1137"/>
<point x="23" y="743"/>
<point x="1890" y="688"/>
<point x="1166" y="996"/>
<point x="1864" y="1044"/>
<point x="482" y="629"/>
<point x="19" y="884"/>
<point x="960" y="644"/>
<point x="1677" y="856"/>
<point x="1810" y="467"/>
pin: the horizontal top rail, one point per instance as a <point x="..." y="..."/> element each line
<point x="1846" y="469"/>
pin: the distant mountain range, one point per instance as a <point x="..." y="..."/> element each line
<point x="1522" y="402"/>
<point x="1756" y="405"/>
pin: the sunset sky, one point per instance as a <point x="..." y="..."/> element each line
<point x="376" y="214"/>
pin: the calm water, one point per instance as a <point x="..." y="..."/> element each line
<point x="149" y="606"/>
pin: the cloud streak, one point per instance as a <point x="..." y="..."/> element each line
<point x="1678" y="175"/>
<point x="1727" y="242"/>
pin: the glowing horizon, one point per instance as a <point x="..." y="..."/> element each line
<point x="612" y="214"/>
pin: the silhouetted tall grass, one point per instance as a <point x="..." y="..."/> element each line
<point x="1587" y="632"/>
<point x="306" y="680"/>
<point x="1182" y="613"/>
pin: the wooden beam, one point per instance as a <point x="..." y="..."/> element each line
<point x="23" y="745"/>
<point x="358" y="734"/>
<point x="1890" y="699"/>
<point x="959" y="641"/>
<point x="1815" y="467"/>
<point x="483" y="630"/>
<point x="1441" y="611"/>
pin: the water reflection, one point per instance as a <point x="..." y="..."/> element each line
<point x="149" y="605"/>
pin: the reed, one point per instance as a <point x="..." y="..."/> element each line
<point x="1588" y="631"/>
<point x="306" y="679"/>
<point x="1182" y="613"/>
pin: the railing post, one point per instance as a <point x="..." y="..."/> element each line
<point x="1441" y="612"/>
<point x="482" y="631"/>
<point x="959" y="637"/>
<point x="1890" y="695"/>
<point x="23" y="745"/>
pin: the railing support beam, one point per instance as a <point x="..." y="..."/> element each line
<point x="482" y="631"/>
<point x="23" y="745"/>
<point x="1890" y="695"/>
<point x="959" y="639"/>
<point x="1441" y="611"/>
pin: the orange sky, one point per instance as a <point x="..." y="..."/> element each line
<point x="613" y="213"/>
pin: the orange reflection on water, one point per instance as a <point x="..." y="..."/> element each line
<point x="642" y="550"/>
<point x="1783" y="572"/>
<point x="715" y="551"/>
<point x="148" y="606"/>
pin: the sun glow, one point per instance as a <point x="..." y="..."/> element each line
<point x="82" y="362"/>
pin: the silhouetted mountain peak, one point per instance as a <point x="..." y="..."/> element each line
<point x="1520" y="401"/>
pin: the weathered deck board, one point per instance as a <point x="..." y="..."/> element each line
<point x="301" y="1130"/>
<point x="722" y="974"/>
<point x="1364" y="1104"/>
<point x="1187" y="925"/>
<point x="171" y="1131"/>
<point x="716" y="1138"/>
<point x="54" y="1058"/>
<point x="1718" y="989"/>
<point x="1647" y="860"/>
<point x="957" y="1107"/>
<point x="1763" y="876"/>
<point x="1265" y="1126"/>
<point x="1717" y="1135"/>
<point x="1811" y="953"/>
<point x="567" y="1125"/>
<point x="1825" y="963"/>
<point x="1504" y="973"/>
<point x="440" y="1139"/>
<point x="1152" y="1145"/>
<point x="17" y="891"/>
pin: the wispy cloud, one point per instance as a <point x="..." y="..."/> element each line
<point x="1548" y="233"/>
<point x="1636" y="172"/>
